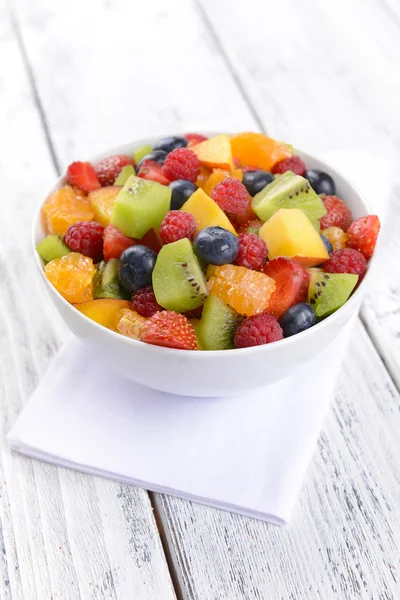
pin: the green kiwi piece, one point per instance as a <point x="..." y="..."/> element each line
<point x="196" y="325"/>
<point x="124" y="175"/>
<point x="141" y="153"/>
<point x="106" y="284"/>
<point x="52" y="247"/>
<point x="329" y="291"/>
<point x="140" y="206"/>
<point x="288" y="191"/>
<point x="178" y="281"/>
<point x="218" y="325"/>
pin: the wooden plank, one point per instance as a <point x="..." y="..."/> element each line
<point x="58" y="529"/>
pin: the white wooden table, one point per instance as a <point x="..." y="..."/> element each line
<point x="80" y="76"/>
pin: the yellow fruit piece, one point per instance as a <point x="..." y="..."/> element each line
<point x="258" y="150"/>
<point x="130" y="324"/>
<point x="64" y="208"/>
<point x="219" y="175"/>
<point x="203" y="176"/>
<point x="103" y="311"/>
<point x="336" y="236"/>
<point x="289" y="232"/>
<point x="246" y="291"/>
<point x="102" y="203"/>
<point x="72" y="276"/>
<point x="216" y="152"/>
<point x="206" y="212"/>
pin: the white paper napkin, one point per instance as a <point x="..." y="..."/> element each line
<point x="247" y="454"/>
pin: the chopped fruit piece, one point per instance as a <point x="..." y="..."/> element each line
<point x="124" y="175"/>
<point x="206" y="212"/>
<point x="215" y="153"/>
<point x="346" y="261"/>
<point x="321" y="182"/>
<point x="83" y="176"/>
<point x="336" y="236"/>
<point x="252" y="252"/>
<point x="145" y="303"/>
<point x="177" y="225"/>
<point x="130" y="324"/>
<point x="170" y="329"/>
<point x="327" y="293"/>
<point x="52" y="247"/>
<point x="203" y="176"/>
<point x="181" y="191"/>
<point x="291" y="284"/>
<point x="171" y="143"/>
<point x="252" y="226"/>
<point x="215" y="245"/>
<point x="338" y="213"/>
<point x="153" y="171"/>
<point x="86" y="237"/>
<point x="115" y="242"/>
<point x="258" y="330"/>
<point x="288" y="191"/>
<point x="363" y="233"/>
<point x="102" y="203"/>
<point x="297" y="318"/>
<point x="72" y="276"/>
<point x="64" y="208"/>
<point x="231" y="196"/>
<point x="140" y="206"/>
<point x="195" y="138"/>
<point x="151" y="240"/>
<point x="290" y="233"/>
<point x="103" y="311"/>
<point x="256" y="180"/>
<point x="135" y="267"/>
<point x="181" y="163"/>
<point x="216" y="330"/>
<point x="109" y="168"/>
<point x="248" y="292"/>
<point x="106" y="284"/>
<point x="258" y="150"/>
<point x="294" y="164"/>
<point x="196" y="322"/>
<point x="178" y="280"/>
<point x="157" y="156"/>
<point x="141" y="152"/>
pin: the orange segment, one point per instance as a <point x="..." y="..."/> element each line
<point x="206" y="212"/>
<point x="130" y="323"/>
<point x="102" y="202"/>
<point x="203" y="176"/>
<point x="258" y="150"/>
<point x="336" y="236"/>
<point x="246" y="291"/>
<point x="216" y="152"/>
<point x="72" y="276"/>
<point x="64" y="208"/>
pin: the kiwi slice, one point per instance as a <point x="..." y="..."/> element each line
<point x="288" y="191"/>
<point x="178" y="280"/>
<point x="52" y="247"/>
<point x="106" y="284"/>
<point x="196" y="325"/>
<point x="140" y="206"/>
<point x="329" y="291"/>
<point x="218" y="325"/>
<point x="124" y="175"/>
<point x="141" y="153"/>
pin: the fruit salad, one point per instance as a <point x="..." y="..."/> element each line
<point x="204" y="243"/>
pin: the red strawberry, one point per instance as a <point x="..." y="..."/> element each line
<point x="170" y="329"/>
<point x="338" y="215"/>
<point x="152" y="170"/>
<point x="109" y="168"/>
<point x="115" y="242"/>
<point x="83" y="176"/>
<point x="194" y="138"/>
<point x="291" y="284"/>
<point x="362" y="235"/>
<point x="151" y="240"/>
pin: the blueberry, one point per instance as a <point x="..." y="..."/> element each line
<point x="216" y="246"/>
<point x="297" y="318"/>
<point x="255" y="181"/>
<point x="181" y="191"/>
<point x="170" y="143"/>
<point x="158" y="156"/>
<point x="327" y="244"/>
<point x="321" y="182"/>
<point x="135" y="267"/>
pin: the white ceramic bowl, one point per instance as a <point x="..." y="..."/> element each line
<point x="210" y="373"/>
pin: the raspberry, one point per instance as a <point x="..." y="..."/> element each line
<point x="83" y="176"/>
<point x="181" y="163"/>
<point x="231" y="196"/>
<point x="170" y="329"/>
<point x="252" y="226"/>
<point x="338" y="215"/>
<point x="362" y="235"/>
<point x="86" y="237"/>
<point x="293" y="163"/>
<point x="177" y="225"/>
<point x="145" y="303"/>
<point x="252" y="252"/>
<point x="257" y="330"/>
<point x="109" y="168"/>
<point x="346" y="261"/>
<point x="195" y="138"/>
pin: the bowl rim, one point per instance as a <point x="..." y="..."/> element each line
<point x="126" y="148"/>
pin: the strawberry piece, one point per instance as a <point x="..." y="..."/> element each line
<point x="115" y="242"/>
<point x="109" y="168"/>
<point x="170" y="329"/>
<point x="195" y="138"/>
<point x="293" y="163"/>
<point x="291" y="280"/>
<point x="151" y="240"/>
<point x="152" y="170"/>
<point x="83" y="176"/>
<point x="338" y="215"/>
<point x="362" y="235"/>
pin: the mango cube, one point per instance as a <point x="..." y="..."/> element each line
<point x="206" y="212"/>
<point x="103" y="311"/>
<point x="216" y="152"/>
